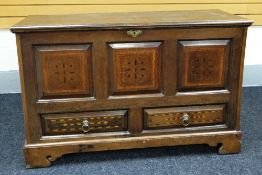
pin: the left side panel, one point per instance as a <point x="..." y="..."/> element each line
<point x="54" y="67"/>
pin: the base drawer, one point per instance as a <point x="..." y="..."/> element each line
<point x="84" y="122"/>
<point x="183" y="116"/>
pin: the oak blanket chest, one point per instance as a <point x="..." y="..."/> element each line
<point x="94" y="82"/>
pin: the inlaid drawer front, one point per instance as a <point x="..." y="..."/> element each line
<point x="84" y="123"/>
<point x="203" y="64"/>
<point x="183" y="116"/>
<point x="135" y="68"/>
<point x="64" y="71"/>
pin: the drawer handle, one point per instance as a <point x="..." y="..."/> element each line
<point x="134" y="33"/>
<point x="85" y="126"/>
<point x="185" y="120"/>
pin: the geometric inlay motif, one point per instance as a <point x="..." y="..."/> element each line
<point x="172" y="117"/>
<point x="64" y="70"/>
<point x="136" y="69"/>
<point x="203" y="64"/>
<point x="71" y="123"/>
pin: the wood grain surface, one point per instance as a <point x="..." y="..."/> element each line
<point x="127" y="20"/>
<point x="130" y="85"/>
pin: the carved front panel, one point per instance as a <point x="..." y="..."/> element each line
<point x="64" y="70"/>
<point x="75" y="123"/>
<point x="135" y="67"/>
<point x="203" y="64"/>
<point x="175" y="117"/>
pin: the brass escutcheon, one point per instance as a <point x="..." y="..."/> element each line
<point x="134" y="33"/>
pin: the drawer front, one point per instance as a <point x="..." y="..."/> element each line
<point x="84" y="123"/>
<point x="183" y="116"/>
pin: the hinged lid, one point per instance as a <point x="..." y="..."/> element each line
<point x="163" y="19"/>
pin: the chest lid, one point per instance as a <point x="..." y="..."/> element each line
<point x="160" y="19"/>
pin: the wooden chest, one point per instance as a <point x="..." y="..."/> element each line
<point x="98" y="82"/>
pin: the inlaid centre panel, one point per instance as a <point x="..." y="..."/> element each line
<point x="135" y="68"/>
<point x="64" y="71"/>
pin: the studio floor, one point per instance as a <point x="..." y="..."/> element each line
<point x="194" y="159"/>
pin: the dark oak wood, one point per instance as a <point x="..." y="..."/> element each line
<point x="64" y="70"/>
<point x="131" y="19"/>
<point x="103" y="82"/>
<point x="173" y="117"/>
<point x="203" y="64"/>
<point x="135" y="68"/>
<point x="44" y="154"/>
<point x="71" y="123"/>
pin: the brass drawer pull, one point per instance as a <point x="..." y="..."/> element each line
<point x="85" y="126"/>
<point x="185" y="120"/>
<point x="134" y="33"/>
